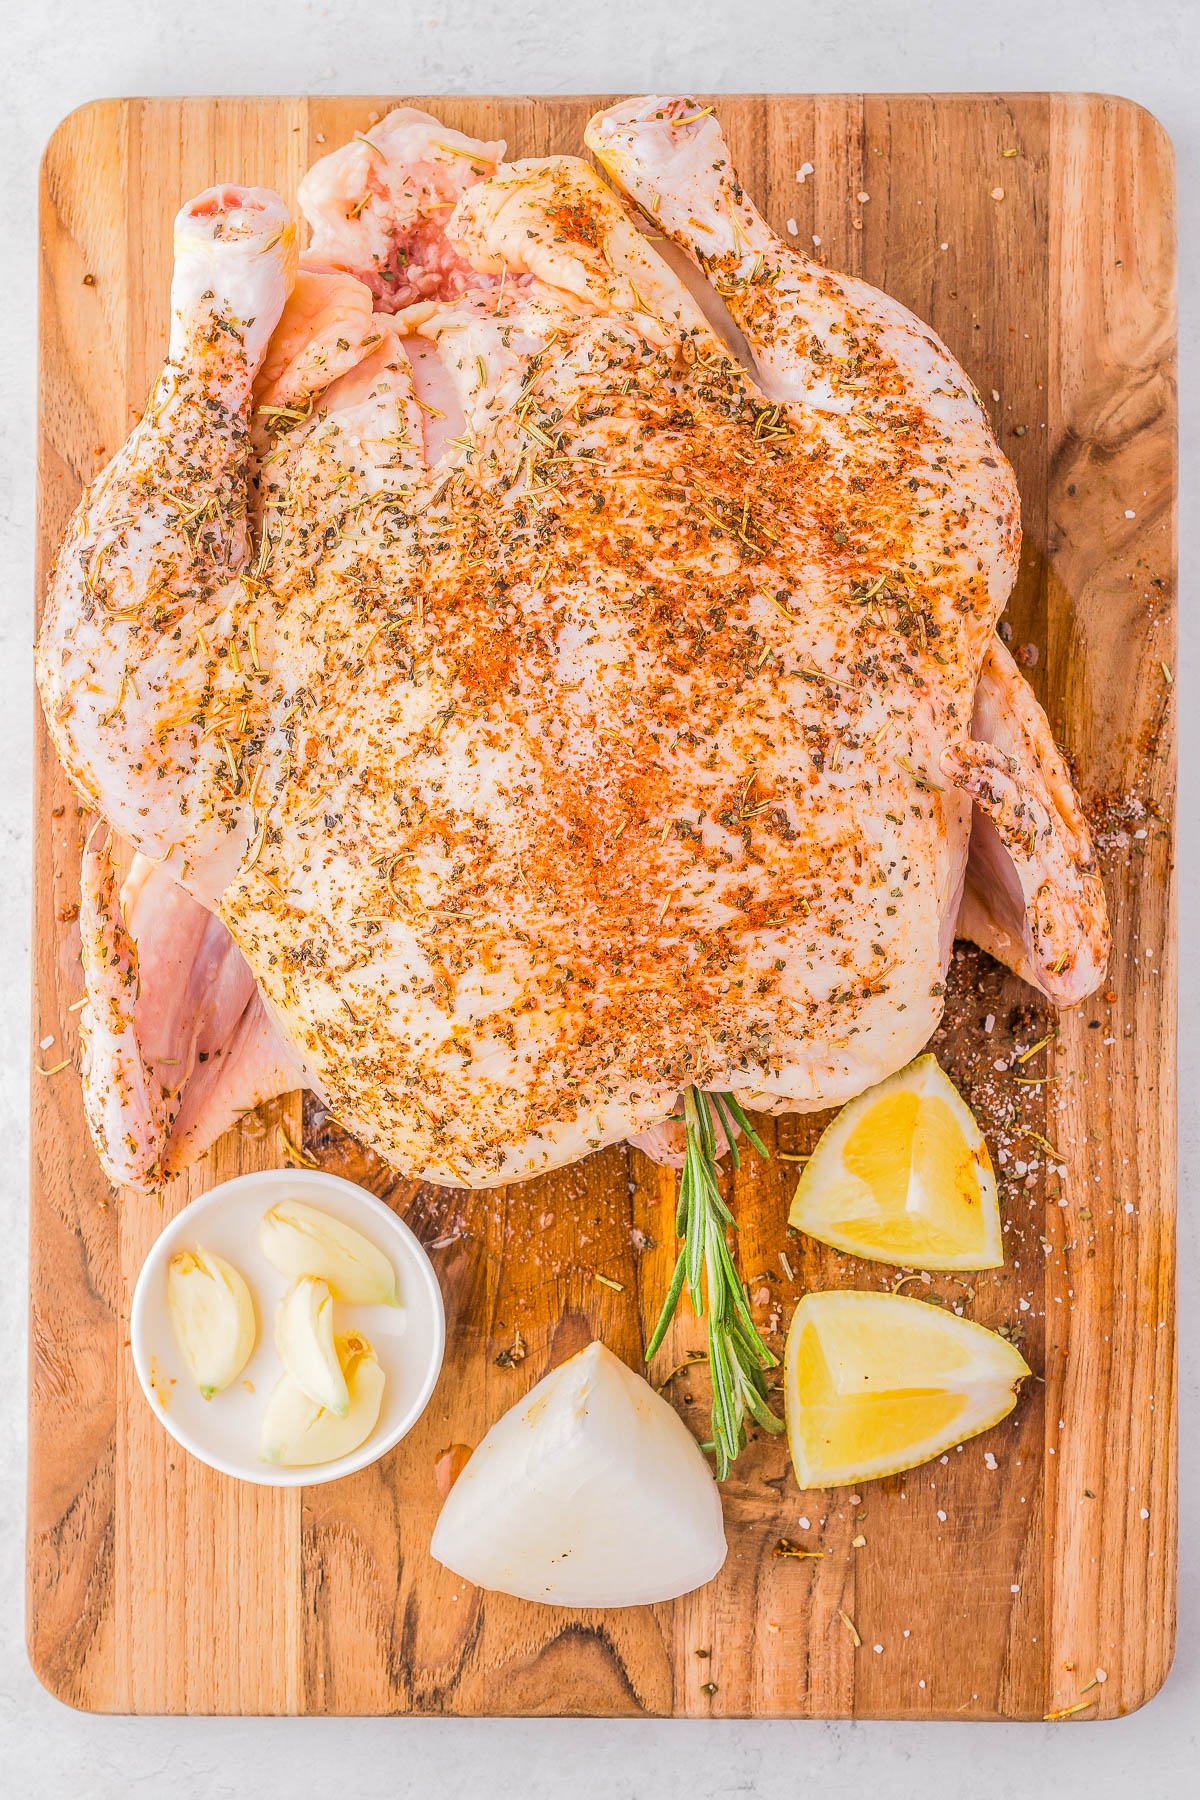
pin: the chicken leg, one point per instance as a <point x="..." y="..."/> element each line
<point x="143" y="686"/>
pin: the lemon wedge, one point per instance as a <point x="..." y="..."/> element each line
<point x="874" y="1383"/>
<point x="903" y="1175"/>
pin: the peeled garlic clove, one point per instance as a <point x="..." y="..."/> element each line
<point x="298" y="1240"/>
<point x="212" y="1316"/>
<point x="589" y="1492"/>
<point x="304" y="1340"/>
<point x="297" y="1432"/>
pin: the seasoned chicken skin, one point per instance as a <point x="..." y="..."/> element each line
<point x="555" y="710"/>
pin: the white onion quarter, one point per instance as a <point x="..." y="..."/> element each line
<point x="591" y="1491"/>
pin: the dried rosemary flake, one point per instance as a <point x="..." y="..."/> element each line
<point x="851" y="1627"/>
<point x="260" y="838"/>
<point x="300" y="1158"/>
<point x="618" y="1287"/>
<point x="516" y="1353"/>
<point x="690" y="1360"/>
<point x="785" y="1547"/>
<point x="1064" y="1712"/>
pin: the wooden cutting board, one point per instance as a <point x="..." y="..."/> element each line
<point x="1031" y="1572"/>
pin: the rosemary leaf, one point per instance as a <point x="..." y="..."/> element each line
<point x="669" y="1305"/>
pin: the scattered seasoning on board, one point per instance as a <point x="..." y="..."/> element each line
<point x="516" y="1353"/>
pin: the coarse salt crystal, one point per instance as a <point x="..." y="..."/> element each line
<point x="862" y="199"/>
<point x="941" y="1515"/>
<point x="989" y="1024"/>
<point x="1130" y="514"/>
<point x="1144" y="1514"/>
<point x="804" y="1525"/>
<point x="997" y="193"/>
<point x="804" y="171"/>
<point x="793" y="228"/>
<point x="878" y="1648"/>
<point x="46" y="1042"/>
<point x="816" y="240"/>
<point x="989" y="1460"/>
<point x="1015" y="1588"/>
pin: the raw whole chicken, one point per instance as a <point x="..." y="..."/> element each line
<point x="536" y="674"/>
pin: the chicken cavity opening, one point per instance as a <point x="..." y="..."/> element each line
<point x="423" y="264"/>
<point x="378" y="207"/>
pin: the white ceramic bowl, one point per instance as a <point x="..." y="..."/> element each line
<point x="409" y="1340"/>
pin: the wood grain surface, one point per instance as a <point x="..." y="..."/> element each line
<point x="1031" y="1572"/>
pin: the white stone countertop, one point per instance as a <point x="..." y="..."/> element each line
<point x="56" y="54"/>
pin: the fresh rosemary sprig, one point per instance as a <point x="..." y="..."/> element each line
<point x="737" y="1356"/>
